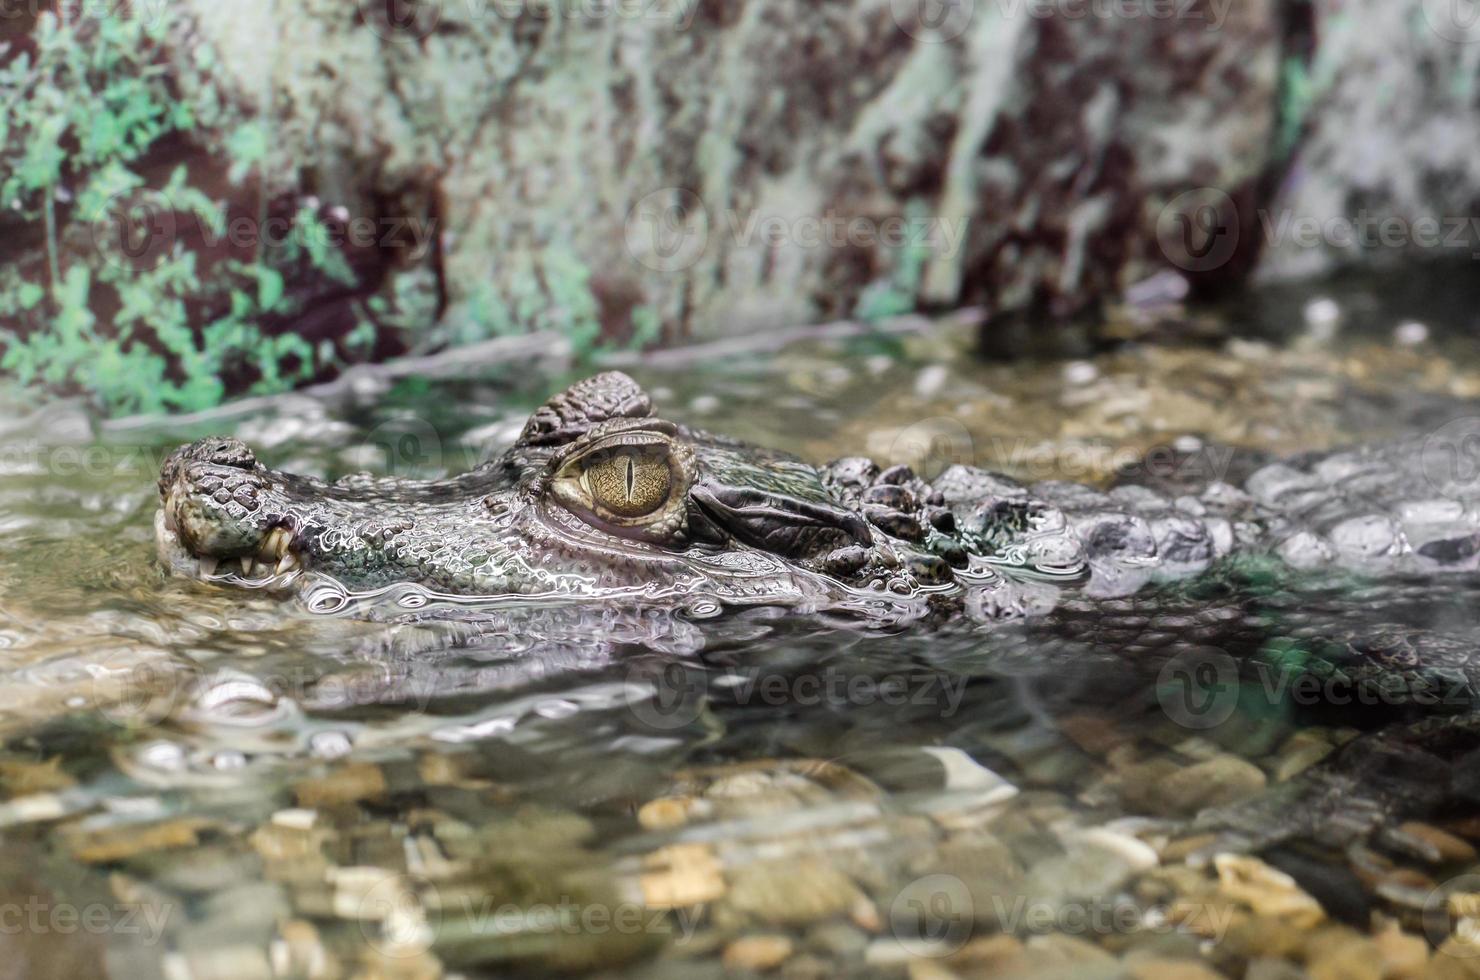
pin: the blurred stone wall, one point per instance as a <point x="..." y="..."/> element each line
<point x="1386" y="168"/>
<point x="697" y="167"/>
<point x="705" y="167"/>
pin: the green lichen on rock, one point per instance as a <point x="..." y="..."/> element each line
<point x="106" y="291"/>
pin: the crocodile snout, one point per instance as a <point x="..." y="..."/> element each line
<point x="215" y="503"/>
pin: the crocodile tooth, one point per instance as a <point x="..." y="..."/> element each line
<point x="249" y="565"/>
<point x="275" y="545"/>
<point x="208" y="566"/>
<point x="287" y="563"/>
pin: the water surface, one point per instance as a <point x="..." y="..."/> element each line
<point x="251" y="787"/>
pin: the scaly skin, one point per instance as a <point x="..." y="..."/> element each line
<point x="742" y="526"/>
<point x="745" y="526"/>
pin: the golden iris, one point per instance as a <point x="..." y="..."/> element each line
<point x="632" y="482"/>
<point x="629" y="482"/>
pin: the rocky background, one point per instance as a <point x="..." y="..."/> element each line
<point x="629" y="172"/>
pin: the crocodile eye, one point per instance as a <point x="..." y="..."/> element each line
<point x="632" y="483"/>
<point x="629" y="482"/>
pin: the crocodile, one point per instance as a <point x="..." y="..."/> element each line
<point x="601" y="503"/>
<point x="599" y="498"/>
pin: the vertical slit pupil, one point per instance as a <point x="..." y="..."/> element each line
<point x="631" y="478"/>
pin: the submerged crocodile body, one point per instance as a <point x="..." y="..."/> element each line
<point x="601" y="499"/>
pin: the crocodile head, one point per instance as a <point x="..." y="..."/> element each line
<point x="597" y="498"/>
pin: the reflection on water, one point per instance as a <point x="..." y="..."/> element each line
<point x="246" y="785"/>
